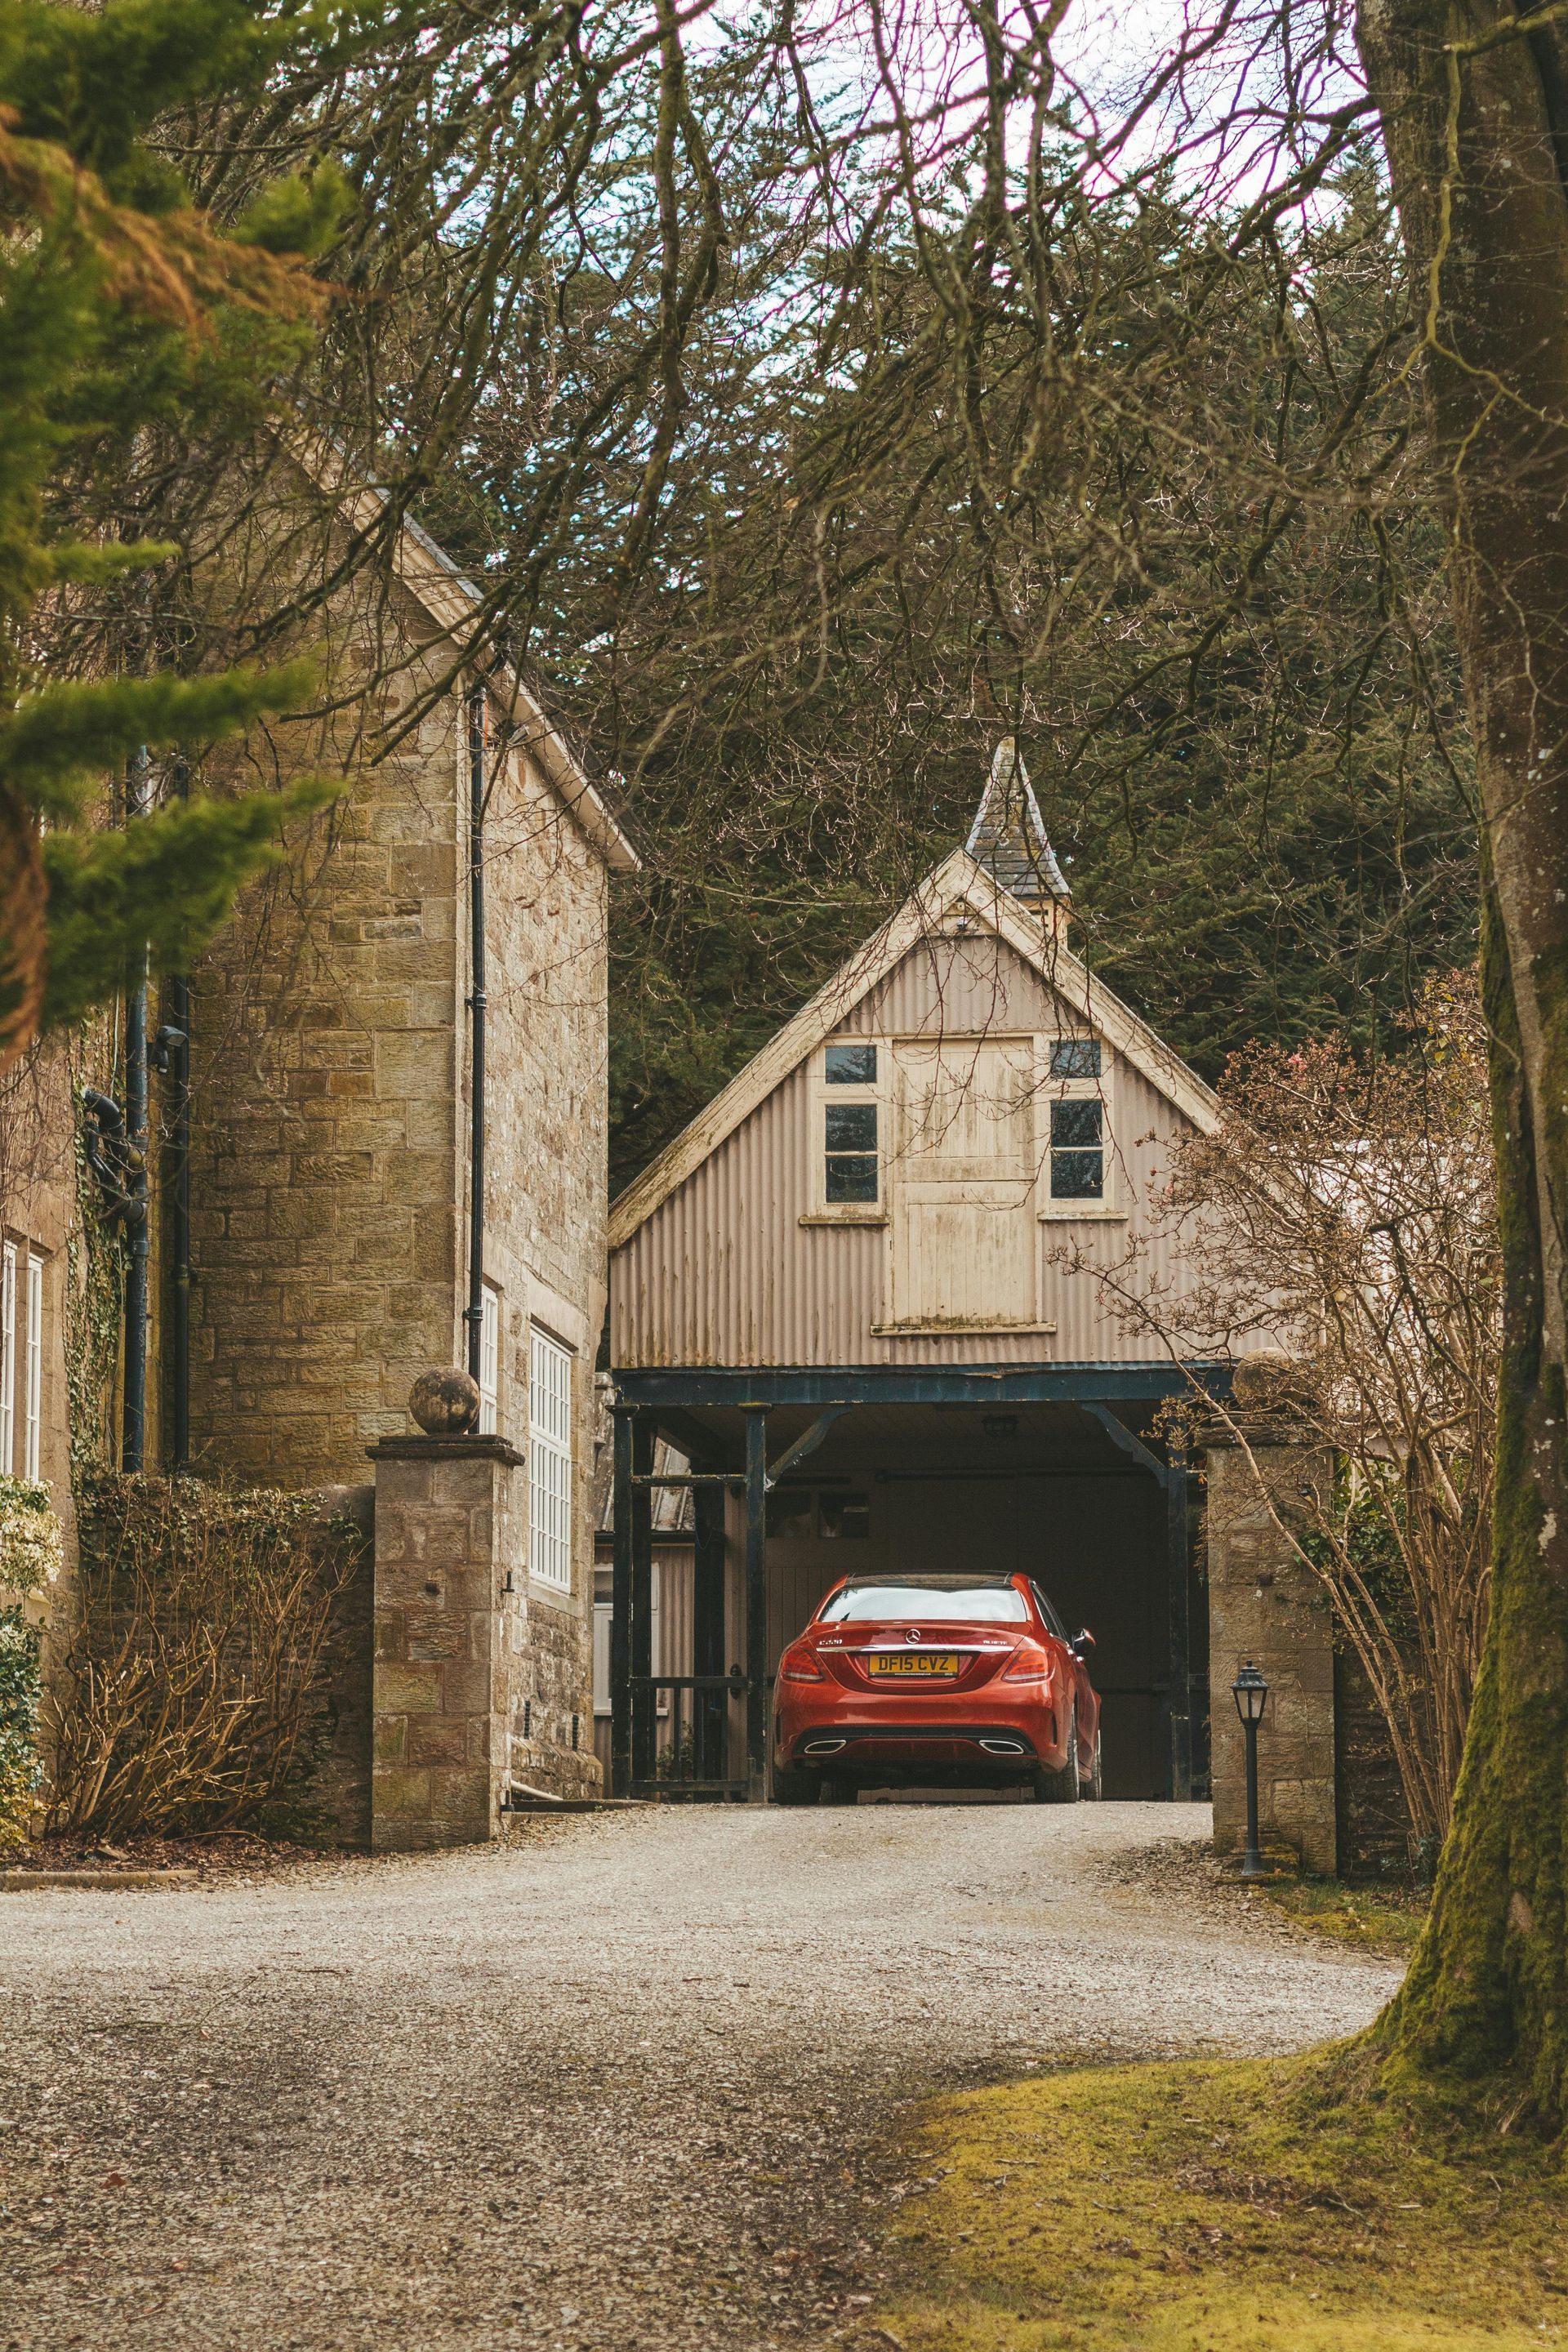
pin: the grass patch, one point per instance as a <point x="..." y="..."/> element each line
<point x="1207" y="2207"/>
<point x="1378" y="1919"/>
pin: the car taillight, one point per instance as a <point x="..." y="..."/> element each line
<point x="1028" y="1663"/>
<point x="800" y="1666"/>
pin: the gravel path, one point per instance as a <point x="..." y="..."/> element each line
<point x="626" y="2085"/>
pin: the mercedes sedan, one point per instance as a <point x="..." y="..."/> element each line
<point x="965" y="1681"/>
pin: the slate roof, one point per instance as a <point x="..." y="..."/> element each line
<point x="1007" y="838"/>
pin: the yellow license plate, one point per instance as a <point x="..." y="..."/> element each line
<point x="921" y="1664"/>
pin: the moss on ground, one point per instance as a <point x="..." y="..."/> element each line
<point x="1377" y="1919"/>
<point x="1208" y="2207"/>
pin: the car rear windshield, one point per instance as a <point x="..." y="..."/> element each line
<point x="1000" y="1604"/>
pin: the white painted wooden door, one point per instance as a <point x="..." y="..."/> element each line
<point x="962" y="1192"/>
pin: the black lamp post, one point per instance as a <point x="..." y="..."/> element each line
<point x="1250" y="1693"/>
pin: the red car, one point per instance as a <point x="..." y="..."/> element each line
<point x="935" y="1681"/>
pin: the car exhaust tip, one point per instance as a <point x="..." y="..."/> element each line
<point x="1004" y="1747"/>
<point x="824" y="1746"/>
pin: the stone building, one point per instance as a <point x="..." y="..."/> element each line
<point x="317" y="1238"/>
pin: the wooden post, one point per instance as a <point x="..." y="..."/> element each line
<point x="621" y="1612"/>
<point x="709" y="1656"/>
<point x="1178" y="1570"/>
<point x="644" y="1709"/>
<point x="756" y="1604"/>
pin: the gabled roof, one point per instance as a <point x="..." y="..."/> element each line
<point x="452" y="600"/>
<point x="960" y="887"/>
<point x="1008" y="835"/>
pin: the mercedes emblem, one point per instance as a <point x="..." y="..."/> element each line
<point x="913" y="1634"/>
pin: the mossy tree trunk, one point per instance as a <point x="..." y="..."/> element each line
<point x="1474" y="118"/>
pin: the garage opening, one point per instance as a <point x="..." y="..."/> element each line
<point x="1078" y="1493"/>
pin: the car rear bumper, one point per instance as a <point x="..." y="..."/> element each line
<point x="989" y="1748"/>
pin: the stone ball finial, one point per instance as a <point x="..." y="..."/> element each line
<point x="446" y="1403"/>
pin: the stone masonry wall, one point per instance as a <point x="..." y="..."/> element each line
<point x="325" y="1175"/>
<point x="1265" y="1606"/>
<point x="547" y="918"/>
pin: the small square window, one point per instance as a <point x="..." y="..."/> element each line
<point x="851" y="1126"/>
<point x="1078" y="1152"/>
<point x="851" y="1065"/>
<point x="1075" y="1057"/>
<point x="845" y="1516"/>
<point x="790" y="1514"/>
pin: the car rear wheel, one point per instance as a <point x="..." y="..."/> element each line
<point x="1094" y="1787"/>
<point x="793" y="1787"/>
<point x="1061" y="1788"/>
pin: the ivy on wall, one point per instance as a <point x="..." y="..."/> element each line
<point x="30" y="1557"/>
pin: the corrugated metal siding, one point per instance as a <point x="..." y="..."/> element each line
<point x="724" y="1273"/>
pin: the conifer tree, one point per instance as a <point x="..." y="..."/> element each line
<point x="116" y="299"/>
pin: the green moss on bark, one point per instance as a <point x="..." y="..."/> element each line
<point x="1487" y="1996"/>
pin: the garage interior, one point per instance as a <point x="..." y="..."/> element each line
<point x="875" y="1473"/>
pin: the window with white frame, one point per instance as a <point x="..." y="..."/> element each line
<point x="852" y="1163"/>
<point x="489" y="1362"/>
<point x="1077" y="1122"/>
<point x="7" y="1358"/>
<point x="33" y="1426"/>
<point x="550" y="1462"/>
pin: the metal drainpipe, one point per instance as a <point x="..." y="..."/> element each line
<point x="178" y="1064"/>
<point x="179" y="1053"/>
<point x="133" y="1412"/>
<point x="474" y="1313"/>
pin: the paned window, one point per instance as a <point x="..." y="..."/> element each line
<point x="489" y="1362"/>
<point x="851" y="1142"/>
<point x="851" y="1065"/>
<point x="850" y="1135"/>
<point x="1078" y="1150"/>
<point x="7" y="1358"/>
<point x="33" y="1427"/>
<point x="1075" y="1057"/>
<point x="550" y="1463"/>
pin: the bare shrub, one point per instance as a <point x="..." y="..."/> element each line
<point x="1341" y="1225"/>
<point x="195" y="1692"/>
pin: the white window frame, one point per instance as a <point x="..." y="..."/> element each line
<point x="33" y="1426"/>
<point x="550" y="1462"/>
<point x="823" y="1212"/>
<point x="7" y="1358"/>
<point x="1099" y="1090"/>
<point x="489" y="1360"/>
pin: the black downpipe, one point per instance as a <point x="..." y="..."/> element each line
<point x="175" y="1041"/>
<point x="474" y="1313"/>
<point x="176" y="1037"/>
<point x="134" y="1410"/>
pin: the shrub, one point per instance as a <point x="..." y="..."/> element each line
<point x="195" y="1686"/>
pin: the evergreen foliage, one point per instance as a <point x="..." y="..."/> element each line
<point x="119" y="306"/>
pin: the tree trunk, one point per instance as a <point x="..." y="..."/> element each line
<point x="1475" y="124"/>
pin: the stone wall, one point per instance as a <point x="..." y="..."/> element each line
<point x="1264" y="1605"/>
<point x="325" y="1180"/>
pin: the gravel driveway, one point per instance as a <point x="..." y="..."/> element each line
<point x="624" y="2084"/>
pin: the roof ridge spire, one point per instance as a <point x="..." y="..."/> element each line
<point x="1008" y="835"/>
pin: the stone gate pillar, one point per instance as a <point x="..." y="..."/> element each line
<point x="446" y="1638"/>
<point x="1265" y="1605"/>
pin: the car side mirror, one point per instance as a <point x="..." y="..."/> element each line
<point x="1081" y="1643"/>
